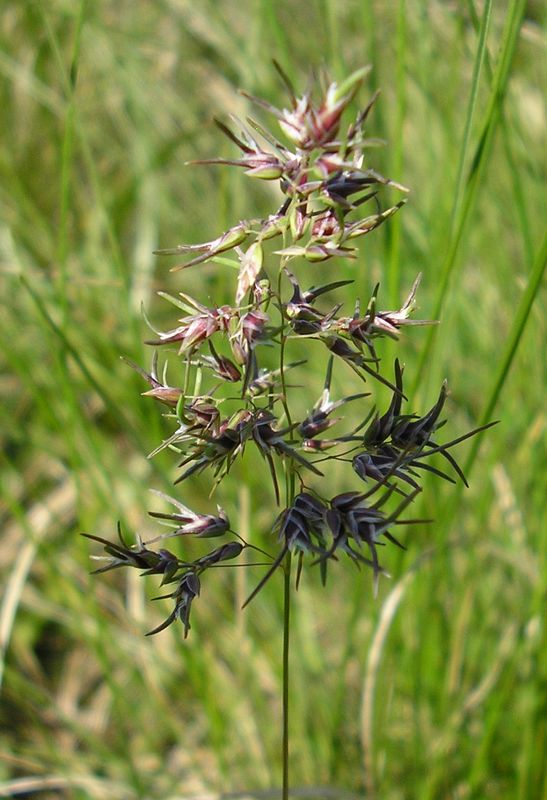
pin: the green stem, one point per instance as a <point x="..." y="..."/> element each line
<point x="468" y="188"/>
<point x="286" y="644"/>
<point x="289" y="498"/>
<point x="522" y="315"/>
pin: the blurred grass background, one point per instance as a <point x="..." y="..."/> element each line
<point x="435" y="689"/>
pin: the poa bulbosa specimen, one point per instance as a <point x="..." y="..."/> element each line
<point x="238" y="355"/>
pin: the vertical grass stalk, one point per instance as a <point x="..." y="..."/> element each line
<point x="286" y="654"/>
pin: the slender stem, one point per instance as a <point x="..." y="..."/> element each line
<point x="286" y="643"/>
<point x="289" y="498"/>
<point x="290" y="492"/>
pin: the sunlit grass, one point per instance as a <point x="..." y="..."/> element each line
<point x="102" y="106"/>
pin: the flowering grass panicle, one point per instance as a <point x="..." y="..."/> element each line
<point x="325" y="180"/>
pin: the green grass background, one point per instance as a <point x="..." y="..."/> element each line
<point x="436" y="689"/>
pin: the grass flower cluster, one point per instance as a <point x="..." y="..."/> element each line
<point x="325" y="180"/>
